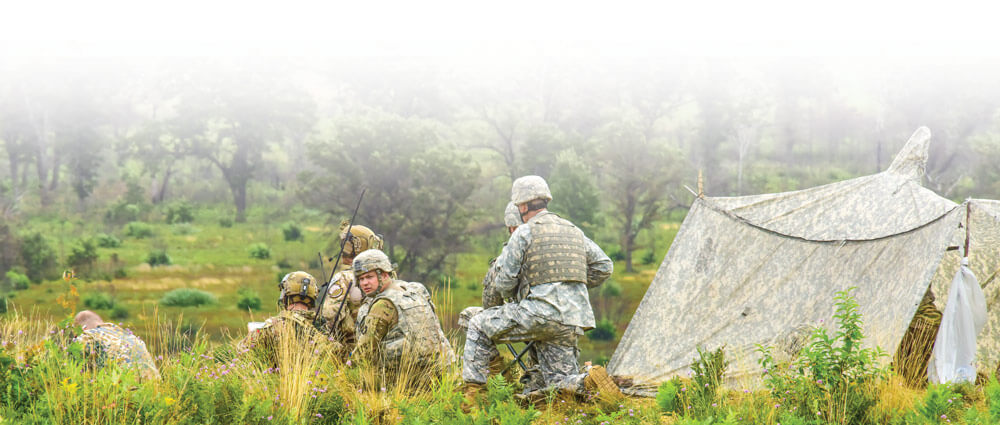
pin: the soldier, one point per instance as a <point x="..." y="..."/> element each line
<point x="360" y="240"/>
<point x="295" y="320"/>
<point x="397" y="326"/>
<point x="546" y="268"/>
<point x="104" y="342"/>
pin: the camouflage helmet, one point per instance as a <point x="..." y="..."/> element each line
<point x="512" y="216"/>
<point x="362" y="239"/>
<point x="369" y="260"/>
<point x="529" y="188"/>
<point x="298" y="287"/>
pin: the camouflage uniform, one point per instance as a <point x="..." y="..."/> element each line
<point x="265" y="341"/>
<point x="362" y="239"/>
<point x="110" y="343"/>
<point x="552" y="305"/>
<point x="400" y="322"/>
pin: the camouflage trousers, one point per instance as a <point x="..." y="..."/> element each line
<point x="554" y="346"/>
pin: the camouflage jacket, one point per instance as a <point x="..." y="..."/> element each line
<point x="401" y="323"/>
<point x="336" y="292"/>
<point x="295" y="326"/>
<point x="565" y="302"/>
<point x="110" y="343"/>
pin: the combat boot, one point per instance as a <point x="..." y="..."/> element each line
<point x="471" y="392"/>
<point x="600" y="384"/>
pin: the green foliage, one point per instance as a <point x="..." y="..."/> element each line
<point x="105" y="240"/>
<point x="138" y="230"/>
<point x="667" y="397"/>
<point x="649" y="257"/>
<point x="38" y="257"/>
<point x="158" y="257"/>
<point x="183" y="229"/>
<point x="260" y="251"/>
<point x="17" y="280"/>
<point x="82" y="255"/>
<point x="707" y="372"/>
<point x="226" y="222"/>
<point x="833" y="375"/>
<point x="180" y="212"/>
<point x="579" y="198"/>
<point x="611" y="289"/>
<point x="616" y="254"/>
<point x="122" y="212"/>
<point x="992" y="391"/>
<point x="604" y="331"/>
<point x="187" y="297"/>
<point x="249" y="300"/>
<point x="3" y="303"/>
<point x="98" y="301"/>
<point x="291" y="231"/>
<point x="119" y="312"/>
<point x="939" y="404"/>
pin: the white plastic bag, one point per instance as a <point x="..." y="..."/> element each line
<point x="963" y="319"/>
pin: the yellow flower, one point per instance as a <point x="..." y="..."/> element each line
<point x="168" y="401"/>
<point x="69" y="387"/>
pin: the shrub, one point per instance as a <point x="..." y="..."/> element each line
<point x="158" y="258"/>
<point x="3" y="303"/>
<point x="649" y="257"/>
<point x="611" y="289"/>
<point x="187" y="297"/>
<point x="939" y="404"/>
<point x="98" y="301"/>
<point x="249" y="300"/>
<point x="38" y="257"/>
<point x="17" y="280"/>
<point x="83" y="255"/>
<point x="226" y="222"/>
<point x="121" y="273"/>
<point x="604" y="331"/>
<point x="105" y="240"/>
<point x="181" y="212"/>
<point x="706" y="372"/>
<point x="616" y="254"/>
<point x="138" y="230"/>
<point x="291" y="231"/>
<point x="119" y="312"/>
<point x="666" y="396"/>
<point x="122" y="212"/>
<point x="260" y="251"/>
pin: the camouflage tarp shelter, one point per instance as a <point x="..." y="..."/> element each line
<point x="762" y="269"/>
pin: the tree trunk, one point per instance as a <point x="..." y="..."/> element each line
<point x="239" y="190"/>
<point x="56" y="164"/>
<point x="628" y="239"/>
<point x="161" y="192"/>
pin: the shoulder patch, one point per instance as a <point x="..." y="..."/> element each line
<point x="336" y="290"/>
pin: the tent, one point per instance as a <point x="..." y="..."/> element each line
<point x="763" y="269"/>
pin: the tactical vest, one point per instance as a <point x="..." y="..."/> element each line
<point x="417" y="332"/>
<point x="557" y="252"/>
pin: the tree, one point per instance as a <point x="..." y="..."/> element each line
<point x="575" y="195"/>
<point x="232" y="121"/>
<point x="418" y="186"/>
<point x="640" y="173"/>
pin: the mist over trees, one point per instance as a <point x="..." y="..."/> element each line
<point x="437" y="141"/>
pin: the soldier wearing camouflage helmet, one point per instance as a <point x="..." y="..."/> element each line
<point x="105" y="343"/>
<point x="397" y="325"/>
<point x="361" y="239"/>
<point x="296" y="299"/>
<point x="546" y="267"/>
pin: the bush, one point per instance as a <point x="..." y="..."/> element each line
<point x="666" y="396"/>
<point x="121" y="273"/>
<point x="291" y="231"/>
<point x="138" y="230"/>
<point x="604" y="331"/>
<point x="249" y="300"/>
<point x="17" y="280"/>
<point x="611" y="289"/>
<point x="649" y="257"/>
<point x="181" y="212"/>
<point x="187" y="297"/>
<point x="38" y="257"/>
<point x="119" y="312"/>
<point x="3" y="303"/>
<point x="616" y="254"/>
<point x="98" y="301"/>
<point x="226" y="222"/>
<point x="260" y="251"/>
<point x="158" y="258"/>
<point x="83" y="255"/>
<point x="122" y="212"/>
<point x="105" y="240"/>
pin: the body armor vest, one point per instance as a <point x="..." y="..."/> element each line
<point x="417" y="332"/>
<point x="557" y="252"/>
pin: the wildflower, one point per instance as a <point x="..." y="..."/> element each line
<point x="68" y="387"/>
<point x="348" y="362"/>
<point x="269" y="417"/>
<point x="944" y="417"/>
<point x="168" y="401"/>
<point x="319" y="415"/>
